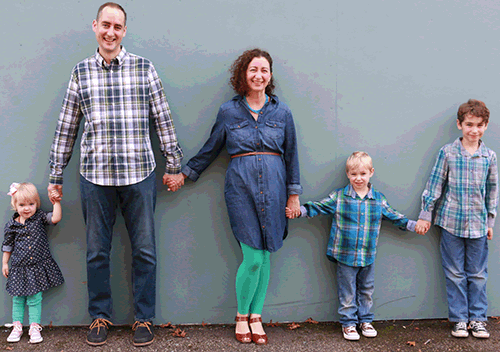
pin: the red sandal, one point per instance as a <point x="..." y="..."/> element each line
<point x="243" y="338"/>
<point x="258" y="339"/>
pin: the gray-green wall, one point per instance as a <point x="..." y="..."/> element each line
<point x="385" y="77"/>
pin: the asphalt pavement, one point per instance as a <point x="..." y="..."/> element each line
<point x="393" y="336"/>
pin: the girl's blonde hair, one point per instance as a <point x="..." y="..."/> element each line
<point x="358" y="159"/>
<point x="25" y="192"/>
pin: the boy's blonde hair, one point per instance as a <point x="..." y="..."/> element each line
<point x="358" y="159"/>
<point x="25" y="192"/>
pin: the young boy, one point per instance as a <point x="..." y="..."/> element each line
<point x="463" y="192"/>
<point x="358" y="210"/>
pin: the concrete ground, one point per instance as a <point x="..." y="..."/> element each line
<point x="394" y="336"/>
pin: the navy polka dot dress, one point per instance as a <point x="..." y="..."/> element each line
<point x="32" y="268"/>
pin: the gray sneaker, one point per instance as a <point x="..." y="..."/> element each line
<point x="478" y="329"/>
<point x="460" y="330"/>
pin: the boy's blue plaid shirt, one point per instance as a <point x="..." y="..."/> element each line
<point x="463" y="191"/>
<point x="356" y="224"/>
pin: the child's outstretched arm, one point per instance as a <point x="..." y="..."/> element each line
<point x="397" y="218"/>
<point x="5" y="264"/>
<point x="57" y="210"/>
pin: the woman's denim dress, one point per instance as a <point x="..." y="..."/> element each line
<point x="257" y="186"/>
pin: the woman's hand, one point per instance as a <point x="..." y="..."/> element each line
<point x="5" y="270"/>
<point x="293" y="205"/>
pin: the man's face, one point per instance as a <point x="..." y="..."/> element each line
<point x="109" y="31"/>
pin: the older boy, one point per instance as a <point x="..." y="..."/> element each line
<point x="463" y="192"/>
<point x="358" y="210"/>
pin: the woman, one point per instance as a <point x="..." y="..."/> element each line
<point x="261" y="180"/>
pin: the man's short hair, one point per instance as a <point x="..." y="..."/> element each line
<point x="112" y="5"/>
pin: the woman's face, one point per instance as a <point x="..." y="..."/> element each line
<point x="258" y="74"/>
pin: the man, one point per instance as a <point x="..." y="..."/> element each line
<point x="117" y="93"/>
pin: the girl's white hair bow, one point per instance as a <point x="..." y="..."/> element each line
<point x="13" y="188"/>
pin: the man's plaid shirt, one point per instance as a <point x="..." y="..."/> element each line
<point x="118" y="101"/>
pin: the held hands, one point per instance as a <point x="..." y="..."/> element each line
<point x="422" y="227"/>
<point x="292" y="209"/>
<point x="174" y="182"/>
<point x="55" y="193"/>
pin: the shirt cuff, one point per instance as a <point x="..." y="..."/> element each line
<point x="410" y="226"/>
<point x="303" y="211"/>
<point x="55" y="180"/>
<point x="6" y="248"/>
<point x="190" y="173"/>
<point x="425" y="215"/>
<point x="491" y="222"/>
<point x="294" y="189"/>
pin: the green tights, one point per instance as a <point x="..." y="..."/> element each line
<point x="34" y="304"/>
<point x="252" y="279"/>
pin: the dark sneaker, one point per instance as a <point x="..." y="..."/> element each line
<point x="98" y="332"/>
<point x="144" y="334"/>
<point x="478" y="329"/>
<point x="460" y="330"/>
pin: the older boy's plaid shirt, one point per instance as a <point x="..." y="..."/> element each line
<point x="463" y="191"/>
<point x="117" y="102"/>
<point x="356" y="224"/>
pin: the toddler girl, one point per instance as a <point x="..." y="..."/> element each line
<point x="32" y="270"/>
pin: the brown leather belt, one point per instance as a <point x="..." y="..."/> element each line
<point x="254" y="153"/>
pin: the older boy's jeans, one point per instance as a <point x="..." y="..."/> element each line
<point x="355" y="290"/>
<point x="465" y="264"/>
<point x="137" y="203"/>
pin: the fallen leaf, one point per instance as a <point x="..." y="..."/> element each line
<point x="167" y="325"/>
<point x="310" y="320"/>
<point x="417" y="328"/>
<point x="495" y="318"/>
<point x="50" y="325"/>
<point x="410" y="343"/>
<point x="203" y="324"/>
<point x="179" y="333"/>
<point x="293" y="326"/>
<point x="272" y="324"/>
<point x="9" y="348"/>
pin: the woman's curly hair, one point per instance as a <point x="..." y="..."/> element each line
<point x="239" y="71"/>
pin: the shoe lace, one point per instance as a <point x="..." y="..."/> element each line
<point x="144" y="324"/>
<point x="461" y="326"/>
<point x="367" y="326"/>
<point x="478" y="325"/>
<point x="34" y="327"/>
<point x="100" y="323"/>
<point x="350" y="329"/>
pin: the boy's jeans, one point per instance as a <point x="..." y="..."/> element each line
<point x="465" y="264"/>
<point x="355" y="288"/>
<point x="137" y="204"/>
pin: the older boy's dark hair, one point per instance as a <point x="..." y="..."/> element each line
<point x="113" y="5"/>
<point x="475" y="108"/>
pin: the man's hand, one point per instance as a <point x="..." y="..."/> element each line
<point x="53" y="196"/>
<point x="490" y="233"/>
<point x="174" y="182"/>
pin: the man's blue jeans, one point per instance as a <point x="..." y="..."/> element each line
<point x="137" y="204"/>
<point x="355" y="290"/>
<point x="465" y="265"/>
